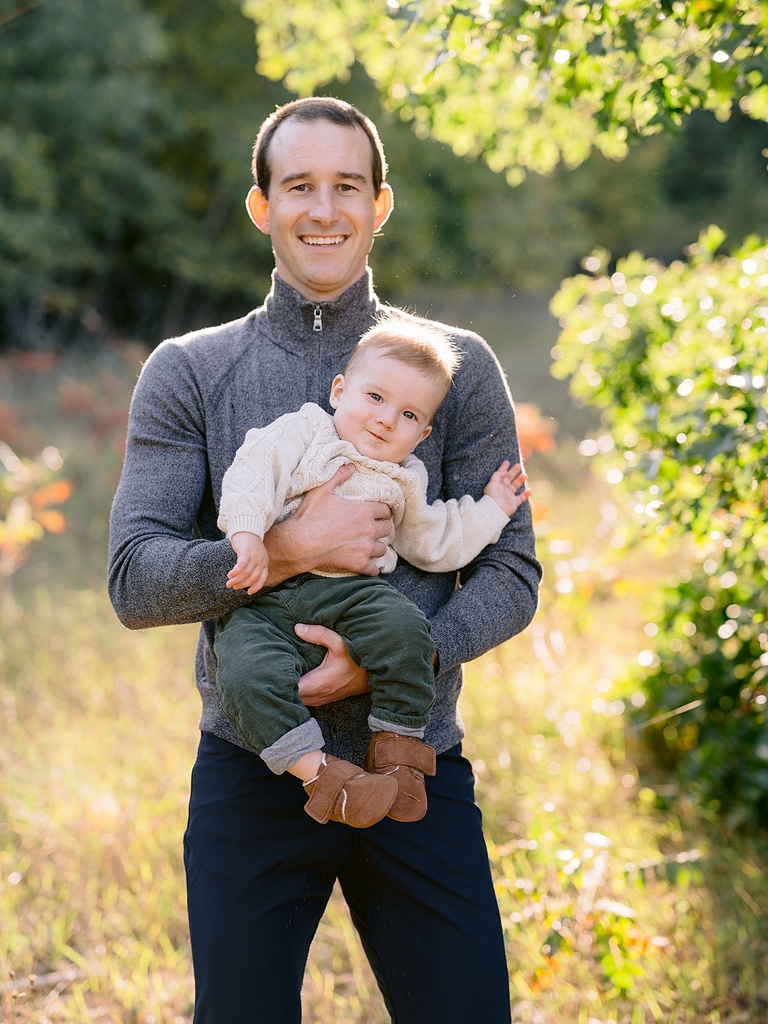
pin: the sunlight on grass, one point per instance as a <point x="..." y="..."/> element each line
<point x="592" y="929"/>
<point x="99" y="729"/>
<point x="608" y="908"/>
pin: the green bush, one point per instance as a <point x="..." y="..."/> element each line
<point x="711" y="660"/>
<point x="676" y="359"/>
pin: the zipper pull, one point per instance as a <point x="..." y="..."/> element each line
<point x="317" y="325"/>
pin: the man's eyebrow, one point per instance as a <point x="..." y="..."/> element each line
<point x="296" y="176"/>
<point x="354" y="175"/>
<point x="341" y="175"/>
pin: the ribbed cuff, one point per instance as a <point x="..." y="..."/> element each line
<point x="286" y="751"/>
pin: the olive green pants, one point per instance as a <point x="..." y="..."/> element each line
<point x="260" y="660"/>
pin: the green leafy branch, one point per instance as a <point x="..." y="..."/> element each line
<point x="528" y="85"/>
<point x="676" y="359"/>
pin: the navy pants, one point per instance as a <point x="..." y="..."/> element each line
<point x="260" y="872"/>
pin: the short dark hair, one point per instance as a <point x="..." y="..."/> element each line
<point x="316" y="108"/>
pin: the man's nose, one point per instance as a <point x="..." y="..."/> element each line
<point x="324" y="206"/>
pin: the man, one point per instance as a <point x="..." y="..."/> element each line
<point x="259" y="870"/>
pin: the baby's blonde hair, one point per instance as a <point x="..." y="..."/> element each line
<point x="414" y="342"/>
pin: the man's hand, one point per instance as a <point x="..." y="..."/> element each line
<point x="329" y="533"/>
<point x="508" y="488"/>
<point x="250" y="570"/>
<point x="337" y="676"/>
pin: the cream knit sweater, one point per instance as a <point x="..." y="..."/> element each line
<point x="277" y="464"/>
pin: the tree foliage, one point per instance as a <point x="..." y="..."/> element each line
<point x="676" y="358"/>
<point x="73" y="150"/>
<point x="124" y="153"/>
<point x="123" y="163"/>
<point x="529" y="85"/>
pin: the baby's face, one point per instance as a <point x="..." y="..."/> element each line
<point x="384" y="407"/>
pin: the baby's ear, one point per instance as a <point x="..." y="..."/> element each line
<point x="337" y="390"/>
<point x="425" y="434"/>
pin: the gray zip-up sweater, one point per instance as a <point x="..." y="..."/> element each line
<point x="195" y="399"/>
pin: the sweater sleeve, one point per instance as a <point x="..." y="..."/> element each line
<point x="167" y="562"/>
<point x="497" y="592"/>
<point x="445" y="535"/>
<point x="256" y="486"/>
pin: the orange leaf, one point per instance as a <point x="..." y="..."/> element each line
<point x="51" y="494"/>
<point x="536" y="432"/>
<point x="51" y="520"/>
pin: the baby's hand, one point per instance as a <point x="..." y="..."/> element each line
<point x="250" y="569"/>
<point x="507" y="487"/>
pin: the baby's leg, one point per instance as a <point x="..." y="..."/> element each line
<point x="260" y="663"/>
<point x="307" y="766"/>
<point x="259" y="666"/>
<point x="386" y="634"/>
<point x="390" y="637"/>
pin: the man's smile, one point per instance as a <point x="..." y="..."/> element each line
<point x="323" y="239"/>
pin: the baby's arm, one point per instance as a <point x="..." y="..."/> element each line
<point x="507" y="487"/>
<point x="252" y="565"/>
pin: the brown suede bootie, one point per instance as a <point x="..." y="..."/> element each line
<point x="343" y="792"/>
<point x="407" y="760"/>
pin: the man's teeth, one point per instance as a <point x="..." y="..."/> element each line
<point x="325" y="240"/>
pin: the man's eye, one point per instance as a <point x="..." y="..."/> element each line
<point x="344" y="187"/>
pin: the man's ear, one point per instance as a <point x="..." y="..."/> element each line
<point x="382" y="207"/>
<point x="337" y="390"/>
<point x="257" y="205"/>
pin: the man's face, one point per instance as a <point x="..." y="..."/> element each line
<point x="321" y="213"/>
<point x="384" y="407"/>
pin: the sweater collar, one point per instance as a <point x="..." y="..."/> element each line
<point x="293" y="321"/>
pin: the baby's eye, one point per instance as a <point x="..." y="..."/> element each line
<point x="409" y="415"/>
<point x="374" y="396"/>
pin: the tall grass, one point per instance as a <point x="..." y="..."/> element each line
<point x="613" y="909"/>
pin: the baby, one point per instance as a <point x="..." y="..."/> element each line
<point x="384" y="403"/>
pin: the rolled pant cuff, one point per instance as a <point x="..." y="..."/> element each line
<point x="380" y="725"/>
<point x="286" y="751"/>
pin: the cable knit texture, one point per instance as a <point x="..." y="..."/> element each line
<point x="196" y="398"/>
<point x="275" y="466"/>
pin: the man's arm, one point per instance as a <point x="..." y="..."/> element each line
<point x="163" y="569"/>
<point x="498" y="592"/>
